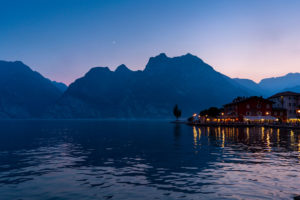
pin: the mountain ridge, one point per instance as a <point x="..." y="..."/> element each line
<point x="24" y="93"/>
<point x="124" y="93"/>
<point x="272" y="85"/>
<point x="149" y="93"/>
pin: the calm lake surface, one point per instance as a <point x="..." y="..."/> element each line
<point x="86" y="159"/>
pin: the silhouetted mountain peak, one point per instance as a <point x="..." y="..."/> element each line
<point x="159" y="58"/>
<point x="162" y="55"/>
<point x="157" y="63"/>
<point x="185" y="80"/>
<point x="187" y="63"/>
<point x="122" y="69"/>
<point x="18" y="62"/>
<point x="190" y="56"/>
<point x="190" y="59"/>
<point x="12" y="62"/>
<point x="296" y="74"/>
<point x="24" y="92"/>
<point x="98" y="71"/>
<point x="289" y="76"/>
<point x="277" y="84"/>
<point x="14" y="66"/>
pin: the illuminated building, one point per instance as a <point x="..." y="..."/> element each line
<point x="288" y="101"/>
<point x="249" y="109"/>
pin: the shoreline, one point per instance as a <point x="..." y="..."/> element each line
<point x="237" y="125"/>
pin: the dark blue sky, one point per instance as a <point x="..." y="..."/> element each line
<point x="62" y="39"/>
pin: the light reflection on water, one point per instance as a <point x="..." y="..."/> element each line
<point x="146" y="160"/>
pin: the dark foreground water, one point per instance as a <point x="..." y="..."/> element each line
<point x="145" y="160"/>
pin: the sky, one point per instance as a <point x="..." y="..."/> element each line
<point x="63" y="39"/>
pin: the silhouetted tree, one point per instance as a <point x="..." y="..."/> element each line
<point x="176" y="112"/>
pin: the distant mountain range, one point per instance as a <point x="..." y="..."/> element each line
<point x="151" y="93"/>
<point x="269" y="86"/>
<point x="282" y="83"/>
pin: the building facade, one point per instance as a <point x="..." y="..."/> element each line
<point x="289" y="101"/>
<point x="280" y="113"/>
<point x="252" y="108"/>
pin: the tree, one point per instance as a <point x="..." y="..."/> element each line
<point x="176" y="112"/>
<point x="211" y="112"/>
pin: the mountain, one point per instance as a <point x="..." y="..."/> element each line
<point x="251" y="85"/>
<point x="24" y="93"/>
<point x="292" y="89"/>
<point x="278" y="84"/>
<point x="151" y="93"/>
<point x="269" y="86"/>
<point x="61" y="86"/>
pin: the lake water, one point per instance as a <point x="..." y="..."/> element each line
<point x="86" y="159"/>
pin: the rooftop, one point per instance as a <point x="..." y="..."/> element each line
<point x="287" y="93"/>
<point x="243" y="99"/>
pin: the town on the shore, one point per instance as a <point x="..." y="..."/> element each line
<point x="281" y="109"/>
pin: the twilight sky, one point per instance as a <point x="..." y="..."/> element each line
<point x="63" y="39"/>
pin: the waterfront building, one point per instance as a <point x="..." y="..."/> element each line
<point x="280" y="113"/>
<point x="289" y="101"/>
<point x="248" y="109"/>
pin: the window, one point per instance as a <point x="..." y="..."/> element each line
<point x="290" y="104"/>
<point x="259" y="113"/>
<point x="248" y="113"/>
<point x="259" y="105"/>
<point x="275" y="113"/>
<point x="268" y="106"/>
<point x="248" y="106"/>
